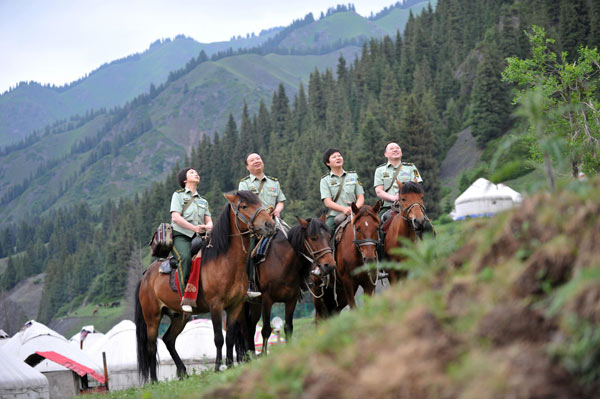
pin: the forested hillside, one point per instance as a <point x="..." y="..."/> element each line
<point x="419" y="89"/>
<point x="31" y="106"/>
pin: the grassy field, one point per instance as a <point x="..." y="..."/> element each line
<point x="499" y="307"/>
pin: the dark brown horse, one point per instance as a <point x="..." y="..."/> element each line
<point x="407" y="220"/>
<point x="223" y="285"/>
<point x="285" y="271"/>
<point x="358" y="245"/>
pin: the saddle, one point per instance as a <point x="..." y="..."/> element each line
<point x="339" y="230"/>
<point x="388" y="221"/>
<point x="169" y="266"/>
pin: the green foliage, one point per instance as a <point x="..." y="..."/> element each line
<point x="511" y="170"/>
<point x="560" y="100"/>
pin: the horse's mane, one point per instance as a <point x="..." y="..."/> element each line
<point x="365" y="209"/>
<point x="297" y="234"/>
<point x="219" y="238"/>
<point x="411" y="187"/>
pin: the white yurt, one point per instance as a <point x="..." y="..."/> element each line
<point x="484" y="198"/>
<point x="18" y="380"/>
<point x="120" y="346"/>
<point x="51" y="354"/>
<point x="196" y="345"/>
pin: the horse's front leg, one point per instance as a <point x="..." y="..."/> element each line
<point x="349" y="290"/>
<point x="216" y="317"/>
<point x="233" y="318"/>
<point x="267" y="304"/>
<point x="290" y="306"/>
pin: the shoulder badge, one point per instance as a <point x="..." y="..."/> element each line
<point x="325" y="175"/>
<point x="408" y="163"/>
<point x="383" y="164"/>
<point x="351" y="171"/>
<point x="245" y="178"/>
<point x="181" y="190"/>
<point x="272" y="178"/>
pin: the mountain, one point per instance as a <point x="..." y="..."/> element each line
<point x="31" y="106"/>
<point x="120" y="153"/>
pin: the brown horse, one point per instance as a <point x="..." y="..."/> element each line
<point x="285" y="271"/>
<point x="223" y="285"/>
<point x="358" y="245"/>
<point x="407" y="220"/>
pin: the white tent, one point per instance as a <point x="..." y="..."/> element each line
<point x="484" y="198"/>
<point x="196" y="345"/>
<point x="51" y="354"/>
<point x="20" y="381"/>
<point x="120" y="346"/>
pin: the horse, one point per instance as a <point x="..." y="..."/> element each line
<point x="223" y="285"/>
<point x="407" y="220"/>
<point x="358" y="245"/>
<point x="284" y="273"/>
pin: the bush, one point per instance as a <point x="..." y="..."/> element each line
<point x="511" y="170"/>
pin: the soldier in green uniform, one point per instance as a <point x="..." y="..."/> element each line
<point x="267" y="188"/>
<point x="269" y="191"/>
<point x="386" y="175"/>
<point x="189" y="216"/>
<point x="339" y="188"/>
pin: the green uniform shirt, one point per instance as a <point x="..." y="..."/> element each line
<point x="385" y="172"/>
<point x="194" y="213"/>
<point x="330" y="185"/>
<point x="269" y="195"/>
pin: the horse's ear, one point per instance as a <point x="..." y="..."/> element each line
<point x="323" y="217"/>
<point x="354" y="208"/>
<point x="230" y="197"/>
<point x="377" y="207"/>
<point x="399" y="185"/>
<point x="302" y="222"/>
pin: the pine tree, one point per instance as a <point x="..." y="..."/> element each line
<point x="490" y="106"/>
<point x="574" y="26"/>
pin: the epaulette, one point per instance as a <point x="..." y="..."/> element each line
<point x="181" y="190"/>
<point x="383" y="164"/>
<point x="325" y="175"/>
<point x="245" y="178"/>
<point x="272" y="178"/>
<point x="408" y="163"/>
<point x="350" y="171"/>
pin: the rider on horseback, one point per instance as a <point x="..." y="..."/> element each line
<point x="189" y="216"/>
<point x="269" y="191"/>
<point x="387" y="174"/>
<point x="339" y="188"/>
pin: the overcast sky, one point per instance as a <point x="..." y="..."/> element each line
<point x="58" y="41"/>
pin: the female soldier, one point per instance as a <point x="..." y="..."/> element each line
<point x="189" y="216"/>
<point x="339" y="188"/>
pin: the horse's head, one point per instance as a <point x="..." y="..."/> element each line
<point x="316" y="245"/>
<point x="250" y="214"/>
<point x="365" y="224"/>
<point x="411" y="206"/>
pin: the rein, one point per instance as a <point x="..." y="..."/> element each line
<point x="313" y="257"/>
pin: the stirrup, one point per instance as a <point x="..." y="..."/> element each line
<point x="187" y="308"/>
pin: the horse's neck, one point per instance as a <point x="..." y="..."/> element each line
<point x="399" y="227"/>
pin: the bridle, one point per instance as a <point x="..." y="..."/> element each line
<point x="404" y="213"/>
<point x="313" y="257"/>
<point x="249" y="223"/>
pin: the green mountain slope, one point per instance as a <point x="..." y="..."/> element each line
<point x="32" y="106"/>
<point x="148" y="141"/>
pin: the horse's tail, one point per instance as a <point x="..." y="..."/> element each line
<point x="141" y="332"/>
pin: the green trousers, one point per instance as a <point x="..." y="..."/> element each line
<point x="182" y="253"/>
<point x="330" y="223"/>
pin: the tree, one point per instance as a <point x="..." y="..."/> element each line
<point x="490" y="104"/>
<point x="562" y="98"/>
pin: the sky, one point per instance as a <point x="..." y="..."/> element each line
<point x="59" y="41"/>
